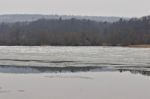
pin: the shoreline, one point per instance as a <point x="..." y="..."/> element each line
<point x="140" y="46"/>
<point x="130" y="46"/>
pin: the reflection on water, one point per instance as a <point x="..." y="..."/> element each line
<point x="72" y="77"/>
<point x="142" y="72"/>
<point x="33" y="69"/>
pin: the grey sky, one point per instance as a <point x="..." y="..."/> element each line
<point x="126" y="8"/>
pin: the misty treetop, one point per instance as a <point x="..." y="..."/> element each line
<point x="75" y="32"/>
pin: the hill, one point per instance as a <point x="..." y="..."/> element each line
<point x="11" y="18"/>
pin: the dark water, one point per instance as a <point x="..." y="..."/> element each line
<point x="33" y="69"/>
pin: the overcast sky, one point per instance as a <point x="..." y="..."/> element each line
<point x="125" y="8"/>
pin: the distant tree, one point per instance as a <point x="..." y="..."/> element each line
<point x="76" y="32"/>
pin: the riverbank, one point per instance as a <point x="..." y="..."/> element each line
<point x="140" y="46"/>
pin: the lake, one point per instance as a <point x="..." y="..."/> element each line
<point x="50" y="72"/>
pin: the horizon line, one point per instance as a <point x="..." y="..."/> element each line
<point x="71" y="15"/>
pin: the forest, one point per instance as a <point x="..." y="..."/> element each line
<point x="76" y="32"/>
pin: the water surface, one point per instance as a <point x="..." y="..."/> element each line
<point x="74" y="72"/>
<point x="73" y="56"/>
<point x="83" y="85"/>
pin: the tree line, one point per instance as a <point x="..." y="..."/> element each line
<point x="75" y="32"/>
